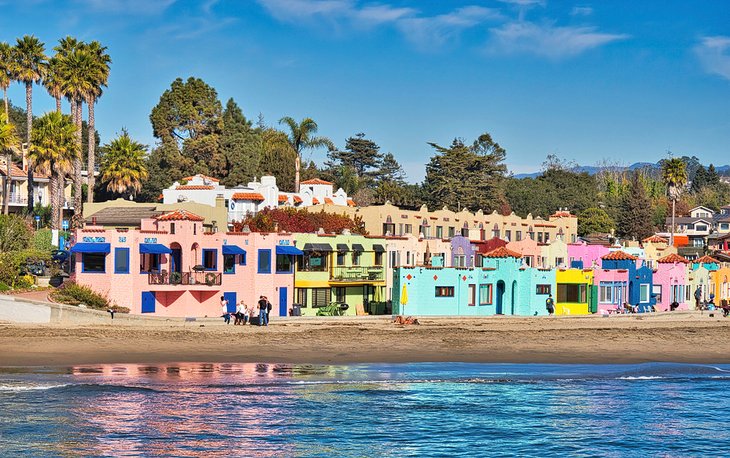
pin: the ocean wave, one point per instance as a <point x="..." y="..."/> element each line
<point x="641" y="377"/>
<point x="16" y="388"/>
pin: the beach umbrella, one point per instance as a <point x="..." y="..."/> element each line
<point x="377" y="296"/>
<point x="404" y="297"/>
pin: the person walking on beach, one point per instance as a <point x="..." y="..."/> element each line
<point x="550" y="305"/>
<point x="268" y="309"/>
<point x="262" y="311"/>
<point x="698" y="298"/>
<point x="224" y="310"/>
<point x="239" y="314"/>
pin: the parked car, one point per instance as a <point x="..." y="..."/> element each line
<point x="60" y="256"/>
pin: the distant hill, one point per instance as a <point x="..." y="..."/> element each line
<point x="592" y="170"/>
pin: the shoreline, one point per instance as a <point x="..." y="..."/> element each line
<point x="690" y="337"/>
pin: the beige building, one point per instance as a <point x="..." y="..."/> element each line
<point x="389" y="220"/>
<point x="19" y="188"/>
<point x="126" y="214"/>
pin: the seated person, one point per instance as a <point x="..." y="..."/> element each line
<point x="673" y="306"/>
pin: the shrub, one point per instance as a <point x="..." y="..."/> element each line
<point x="15" y="234"/>
<point x="11" y="263"/>
<point x="24" y="282"/>
<point x="75" y="294"/>
<point x="4" y="287"/>
<point x="42" y="240"/>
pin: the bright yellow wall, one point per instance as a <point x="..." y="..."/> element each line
<point x="573" y="276"/>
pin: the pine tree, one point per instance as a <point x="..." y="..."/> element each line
<point x="360" y="153"/>
<point x="242" y="146"/>
<point x="636" y="212"/>
<point x="712" y="178"/>
<point x="700" y="180"/>
<point x="391" y="171"/>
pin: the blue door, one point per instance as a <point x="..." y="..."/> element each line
<point x="176" y="260"/>
<point x="500" y="297"/>
<point x="282" y="302"/>
<point x="231" y="298"/>
<point x="148" y="302"/>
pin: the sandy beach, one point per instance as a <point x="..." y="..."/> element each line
<point x="683" y="337"/>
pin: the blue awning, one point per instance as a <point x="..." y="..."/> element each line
<point x="233" y="249"/>
<point x="153" y="248"/>
<point x="91" y="248"/>
<point x="288" y="249"/>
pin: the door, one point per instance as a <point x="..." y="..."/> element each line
<point x="283" y="306"/>
<point x="513" y="296"/>
<point x="177" y="260"/>
<point x="148" y="302"/>
<point x="231" y="298"/>
<point x="500" y="297"/>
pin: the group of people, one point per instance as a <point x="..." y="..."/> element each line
<point x="244" y="313"/>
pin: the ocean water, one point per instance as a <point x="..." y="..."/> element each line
<point x="433" y="409"/>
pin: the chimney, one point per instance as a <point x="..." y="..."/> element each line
<point x="220" y="201"/>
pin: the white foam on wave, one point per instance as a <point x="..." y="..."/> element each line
<point x="20" y="388"/>
<point x="641" y="377"/>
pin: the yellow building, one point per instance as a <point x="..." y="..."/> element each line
<point x="573" y="291"/>
<point x="721" y="285"/>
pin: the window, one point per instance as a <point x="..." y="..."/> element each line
<point x="242" y="259"/>
<point x="264" y="261"/>
<point x="340" y="258"/>
<point x="572" y="238"/>
<point x="408" y="258"/>
<point x="656" y="290"/>
<point x="572" y="292"/>
<point x="444" y="291"/>
<point x="172" y="228"/>
<point x="149" y="263"/>
<point x="229" y="263"/>
<point x="356" y="255"/>
<point x="459" y="261"/>
<point x="465" y="232"/>
<point x="93" y="262"/>
<point x="495" y="233"/>
<point x="518" y="236"/>
<point x="452" y="231"/>
<point x="121" y="260"/>
<point x="378" y="259"/>
<point x="559" y="262"/>
<point x="539" y="237"/>
<point x="547" y="237"/>
<point x="485" y="294"/>
<point x="605" y="293"/>
<point x="302" y="296"/>
<point x="700" y="227"/>
<point x="210" y="259"/>
<point x="409" y="228"/>
<point x="283" y="264"/>
<point x="724" y="226"/>
<point x="507" y="235"/>
<point x="320" y="297"/>
<point x="531" y="235"/>
<point x="543" y="289"/>
<point x="391" y="259"/>
<point x="340" y="294"/>
<point x="698" y="243"/>
<point x="400" y="228"/>
<point x="528" y="261"/>
<point x="439" y="232"/>
<point x="644" y="292"/>
<point x="472" y="295"/>
<point x="688" y="294"/>
<point x="195" y="229"/>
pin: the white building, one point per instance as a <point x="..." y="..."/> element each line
<point x="255" y="196"/>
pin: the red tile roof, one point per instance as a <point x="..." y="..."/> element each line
<point x="327" y="200"/>
<point x="673" y="258"/>
<point x="706" y="260"/>
<point x="282" y="198"/>
<point x="204" y="176"/>
<point x="351" y="203"/>
<point x="298" y="200"/>
<point x="316" y="181"/>
<point x="563" y="214"/>
<point x="194" y="187"/>
<point x="315" y="201"/>
<point x="15" y="171"/>
<point x="180" y="215"/>
<point x="655" y="239"/>
<point x="619" y="256"/>
<point x="255" y="196"/>
<point x="502" y="252"/>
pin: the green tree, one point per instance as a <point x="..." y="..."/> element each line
<point x="301" y="137"/>
<point x="15" y="235"/>
<point x="466" y="176"/>
<point x="712" y="177"/>
<point x="54" y="150"/>
<point x="98" y="76"/>
<point x="636" y="213"/>
<point x="6" y="74"/>
<point x="700" y="180"/>
<point x="674" y="176"/>
<point x="8" y="141"/>
<point x="360" y="154"/>
<point x="29" y="67"/>
<point x="391" y="171"/>
<point x="123" y="166"/>
<point x="242" y="146"/>
<point x="592" y="220"/>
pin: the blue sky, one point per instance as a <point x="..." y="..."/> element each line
<point x="587" y="80"/>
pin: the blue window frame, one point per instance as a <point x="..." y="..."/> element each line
<point x="264" y="261"/>
<point x="93" y="263"/>
<point x="210" y="259"/>
<point x="121" y="260"/>
<point x="242" y="259"/>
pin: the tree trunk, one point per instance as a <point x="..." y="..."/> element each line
<point x="61" y="196"/>
<point x="5" y="98"/>
<point x="671" y="238"/>
<point x="9" y="160"/>
<point x="77" y="220"/>
<point x="58" y="103"/>
<point x="29" y="121"/>
<point x="297" y="166"/>
<point x="53" y="191"/>
<point x="92" y="158"/>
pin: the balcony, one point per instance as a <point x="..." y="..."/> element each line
<point x="357" y="274"/>
<point x="18" y="199"/>
<point x="184" y="278"/>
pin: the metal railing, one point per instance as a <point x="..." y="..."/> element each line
<point x="184" y="278"/>
<point x="18" y="199"/>
<point x="345" y="274"/>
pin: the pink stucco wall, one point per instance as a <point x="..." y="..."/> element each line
<point x="197" y="300"/>
<point x="610" y="275"/>
<point x="668" y="275"/>
<point x="528" y="248"/>
<point x="590" y="254"/>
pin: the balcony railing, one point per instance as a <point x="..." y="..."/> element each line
<point x="18" y="199"/>
<point x="345" y="274"/>
<point x="184" y="278"/>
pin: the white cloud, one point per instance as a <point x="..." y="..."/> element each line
<point x="424" y="31"/>
<point x="548" y="40"/>
<point x="714" y="55"/>
<point x="581" y="11"/>
<point x="132" y="7"/>
<point x="525" y="2"/>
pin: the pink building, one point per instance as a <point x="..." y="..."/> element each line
<point x="170" y="267"/>
<point x="670" y="282"/>
<point x="530" y="251"/>
<point x="590" y="255"/>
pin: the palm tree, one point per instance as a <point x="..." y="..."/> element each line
<point x="53" y="151"/>
<point x="99" y="77"/>
<point x="76" y="64"/>
<point x="674" y="176"/>
<point x="8" y="141"/>
<point x="6" y="74"/>
<point x="29" y="67"/>
<point x="123" y="165"/>
<point x="301" y="137"/>
<point x="52" y="81"/>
